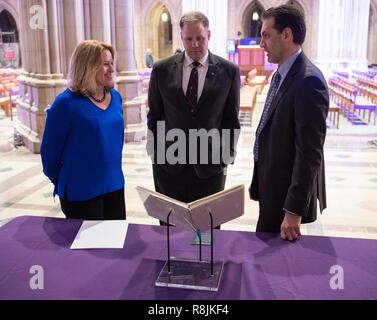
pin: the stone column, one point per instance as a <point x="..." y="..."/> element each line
<point x="128" y="79"/>
<point x="343" y="34"/>
<point x="53" y="39"/>
<point x="372" y="39"/>
<point x="100" y="20"/>
<point x="72" y="28"/>
<point x="177" y="42"/>
<point x="41" y="81"/>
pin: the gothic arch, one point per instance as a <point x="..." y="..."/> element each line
<point x="155" y="30"/>
<point x="246" y="15"/>
<point x="151" y="5"/>
<point x="7" y="10"/>
<point x="243" y="8"/>
<point x="148" y="15"/>
<point x="5" y="5"/>
<point x="307" y="6"/>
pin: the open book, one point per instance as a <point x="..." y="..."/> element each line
<point x="224" y="206"/>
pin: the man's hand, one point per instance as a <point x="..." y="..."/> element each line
<point x="290" y="227"/>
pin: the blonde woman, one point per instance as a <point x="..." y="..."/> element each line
<point x="83" y="139"/>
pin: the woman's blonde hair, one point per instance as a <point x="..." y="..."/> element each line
<point x="84" y="65"/>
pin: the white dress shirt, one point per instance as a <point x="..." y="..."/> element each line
<point x="202" y="72"/>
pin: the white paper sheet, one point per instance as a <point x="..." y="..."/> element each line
<point x="101" y="234"/>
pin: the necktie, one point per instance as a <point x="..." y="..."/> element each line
<point x="192" y="88"/>
<point x="270" y="97"/>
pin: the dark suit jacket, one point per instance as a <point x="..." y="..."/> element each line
<point x="290" y="171"/>
<point x="218" y="108"/>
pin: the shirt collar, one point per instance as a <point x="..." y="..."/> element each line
<point x="286" y="66"/>
<point x="203" y="61"/>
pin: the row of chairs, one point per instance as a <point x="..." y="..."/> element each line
<point x="368" y="75"/>
<point x="368" y="84"/>
<point x="350" y="100"/>
<point x="341" y="74"/>
<point x="9" y="91"/>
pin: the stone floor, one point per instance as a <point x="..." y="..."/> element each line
<point x="351" y="179"/>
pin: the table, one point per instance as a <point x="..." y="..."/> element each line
<point x="257" y="265"/>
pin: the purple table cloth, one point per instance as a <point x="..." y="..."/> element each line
<point x="257" y="265"/>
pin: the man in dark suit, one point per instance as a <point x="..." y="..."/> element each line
<point x="289" y="173"/>
<point x="191" y="91"/>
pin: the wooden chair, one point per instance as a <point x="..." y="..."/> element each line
<point x="258" y="82"/>
<point x="248" y="99"/>
<point x="14" y="93"/>
<point x="333" y="114"/>
<point x="251" y="75"/>
<point x="6" y="106"/>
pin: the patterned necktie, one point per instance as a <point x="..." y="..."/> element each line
<point x="271" y="94"/>
<point x="192" y="88"/>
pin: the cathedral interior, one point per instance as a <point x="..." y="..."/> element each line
<point x="37" y="38"/>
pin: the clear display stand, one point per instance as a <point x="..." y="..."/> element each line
<point x="191" y="274"/>
<point x="198" y="216"/>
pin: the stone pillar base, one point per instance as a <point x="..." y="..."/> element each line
<point x="135" y="132"/>
<point x="37" y="92"/>
<point x="135" y="119"/>
<point x="30" y="139"/>
<point x="134" y="106"/>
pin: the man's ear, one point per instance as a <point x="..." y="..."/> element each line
<point x="209" y="34"/>
<point x="288" y="34"/>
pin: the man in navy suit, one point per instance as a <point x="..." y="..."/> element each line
<point x="193" y="90"/>
<point x="289" y="173"/>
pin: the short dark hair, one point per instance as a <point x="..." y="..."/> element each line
<point x="194" y="17"/>
<point x="288" y="16"/>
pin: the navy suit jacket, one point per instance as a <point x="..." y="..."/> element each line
<point x="290" y="171"/>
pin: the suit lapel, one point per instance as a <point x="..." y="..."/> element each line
<point x="177" y="71"/>
<point x="210" y="79"/>
<point x="284" y="86"/>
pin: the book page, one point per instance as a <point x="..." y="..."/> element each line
<point x="224" y="206"/>
<point x="159" y="207"/>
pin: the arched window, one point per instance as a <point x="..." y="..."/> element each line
<point x="252" y="22"/>
<point x="160" y="32"/>
<point x="9" y="48"/>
